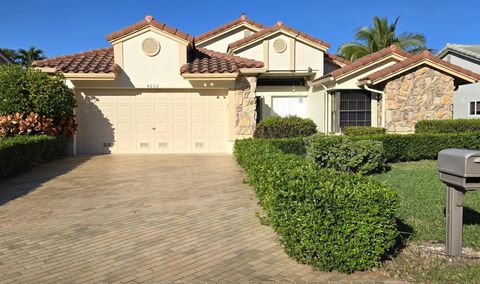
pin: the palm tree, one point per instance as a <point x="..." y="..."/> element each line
<point x="10" y="53"/>
<point x="26" y="57"/>
<point x="381" y="35"/>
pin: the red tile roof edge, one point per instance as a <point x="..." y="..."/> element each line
<point x="336" y="59"/>
<point x="97" y="59"/>
<point x="278" y="26"/>
<point x="242" y="19"/>
<point x="149" y="20"/>
<point x="209" y="61"/>
<point x="414" y="60"/>
<point x="361" y="62"/>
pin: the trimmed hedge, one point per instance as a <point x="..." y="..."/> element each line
<point x="294" y="145"/>
<point x="327" y="219"/>
<point x="21" y="153"/>
<point x="346" y="155"/>
<point x="447" y="126"/>
<point x="363" y="130"/>
<point x="414" y="147"/>
<point x="285" y="127"/>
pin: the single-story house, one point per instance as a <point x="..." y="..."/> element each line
<point x="4" y="58"/>
<point x="466" y="100"/>
<point x="157" y="89"/>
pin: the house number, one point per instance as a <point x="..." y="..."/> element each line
<point x="153" y="86"/>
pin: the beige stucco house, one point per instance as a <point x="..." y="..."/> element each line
<point x="160" y="90"/>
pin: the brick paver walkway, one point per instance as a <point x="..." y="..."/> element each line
<point x="134" y="218"/>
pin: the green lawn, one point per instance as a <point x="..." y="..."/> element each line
<point x="422" y="202"/>
<point x="422" y="207"/>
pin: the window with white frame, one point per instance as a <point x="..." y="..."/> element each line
<point x="474" y="108"/>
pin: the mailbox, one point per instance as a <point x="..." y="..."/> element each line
<point x="459" y="169"/>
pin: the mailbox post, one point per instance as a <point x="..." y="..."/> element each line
<point x="460" y="170"/>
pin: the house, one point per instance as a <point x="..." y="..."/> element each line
<point x="4" y="58"/>
<point x="466" y="100"/>
<point x="157" y="89"/>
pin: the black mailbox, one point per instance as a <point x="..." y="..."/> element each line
<point x="459" y="169"/>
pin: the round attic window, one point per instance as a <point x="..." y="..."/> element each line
<point x="151" y="46"/>
<point x="279" y="45"/>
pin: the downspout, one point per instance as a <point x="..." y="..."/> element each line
<point x="384" y="106"/>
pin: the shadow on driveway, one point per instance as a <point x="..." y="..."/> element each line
<point x="18" y="186"/>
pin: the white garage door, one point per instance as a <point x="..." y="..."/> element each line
<point x="152" y="123"/>
<point x="284" y="106"/>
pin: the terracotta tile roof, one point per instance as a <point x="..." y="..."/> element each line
<point x="413" y="60"/>
<point x="241" y="20"/>
<point x="366" y="60"/>
<point x="277" y="27"/>
<point x="336" y="59"/>
<point x="209" y="61"/>
<point x="149" y="20"/>
<point x="93" y="61"/>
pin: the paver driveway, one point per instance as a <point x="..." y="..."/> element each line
<point x="140" y="218"/>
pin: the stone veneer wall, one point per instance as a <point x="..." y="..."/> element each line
<point x="422" y="94"/>
<point x="245" y="106"/>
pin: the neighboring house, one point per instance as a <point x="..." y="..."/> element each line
<point x="466" y="100"/>
<point x="160" y="90"/>
<point x="4" y="58"/>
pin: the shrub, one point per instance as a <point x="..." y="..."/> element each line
<point x="346" y="155"/>
<point x="33" y="124"/>
<point x="327" y="219"/>
<point x="447" y="126"/>
<point x="414" y="147"/>
<point x="285" y="127"/>
<point x="294" y="145"/>
<point x="28" y="90"/>
<point x="363" y="130"/>
<point x="21" y="153"/>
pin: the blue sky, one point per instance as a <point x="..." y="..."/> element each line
<point x="65" y="27"/>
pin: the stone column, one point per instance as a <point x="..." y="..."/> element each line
<point x="245" y="106"/>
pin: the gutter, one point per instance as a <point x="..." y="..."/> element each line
<point x="384" y="101"/>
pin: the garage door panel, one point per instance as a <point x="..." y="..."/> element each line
<point x="181" y="129"/>
<point x="181" y="112"/>
<point x="163" y="112"/>
<point x="163" y="98"/>
<point x="163" y="129"/>
<point x="153" y="123"/>
<point x="144" y="129"/>
<point x="145" y="113"/>
<point x="181" y="146"/>
<point x="124" y="129"/>
<point x="182" y="98"/>
<point x="217" y="145"/>
<point x="125" y="113"/>
<point x="200" y="112"/>
<point x="125" y="144"/>
<point x="199" y="99"/>
<point x="145" y="145"/>
<point x="126" y="99"/>
<point x="163" y="145"/>
<point x="200" y="129"/>
<point x="217" y="130"/>
<point x="105" y="144"/>
<point x="145" y="98"/>
<point x="217" y="113"/>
